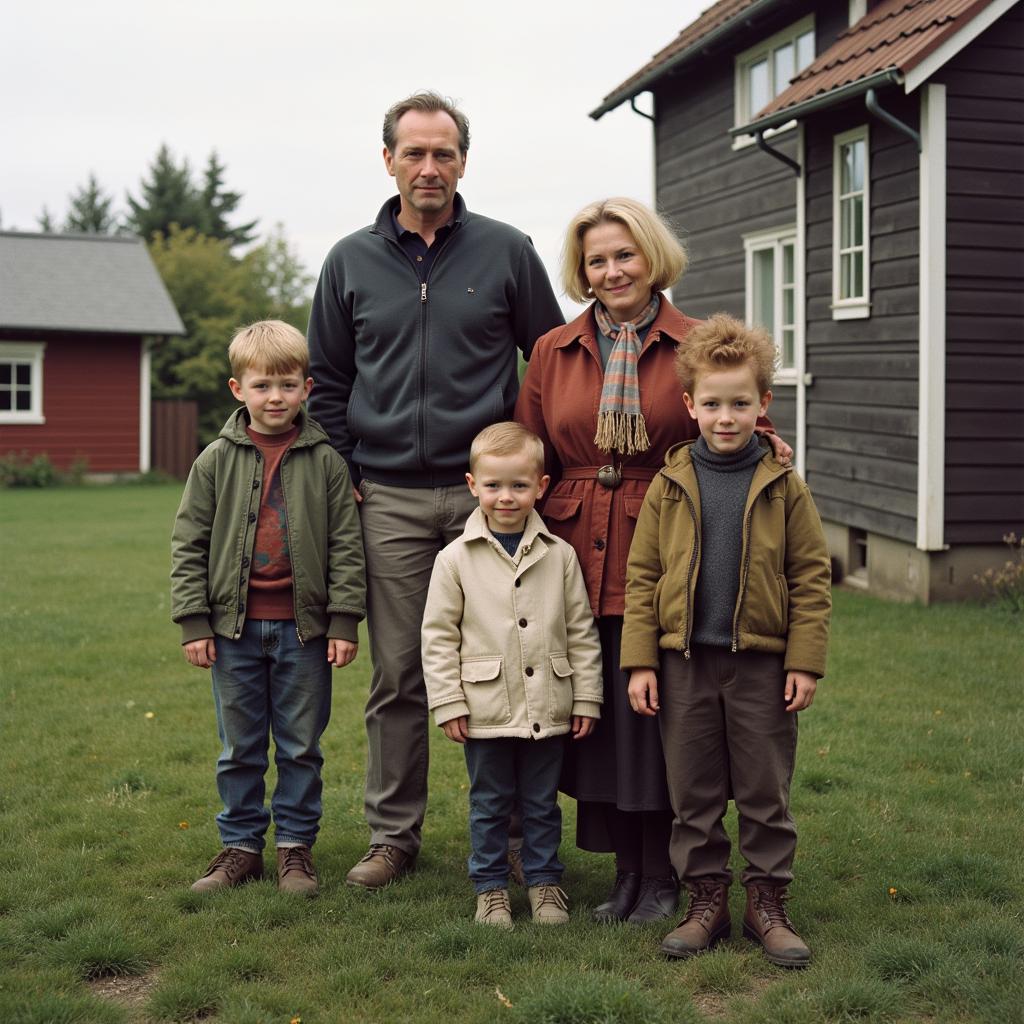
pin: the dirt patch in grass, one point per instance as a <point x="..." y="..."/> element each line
<point x="126" y="990"/>
<point x="713" y="1005"/>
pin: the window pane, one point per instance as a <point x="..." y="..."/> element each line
<point x="857" y="165"/>
<point x="845" y="229"/>
<point x="845" y="275"/>
<point x="788" y="268"/>
<point x="788" y="307"/>
<point x="23" y="373"/>
<point x="846" y="173"/>
<point x="764" y="288"/>
<point x="757" y="92"/>
<point x="858" y="274"/>
<point x="23" y="401"/>
<point x="857" y="218"/>
<point x="804" y="50"/>
<point x="5" y="401"/>
<point x="6" y="372"/>
<point x="788" y="347"/>
<point x="783" y="68"/>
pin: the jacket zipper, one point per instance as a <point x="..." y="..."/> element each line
<point x="422" y="417"/>
<point x="689" y="571"/>
<point x="287" y="521"/>
<point x="745" y="568"/>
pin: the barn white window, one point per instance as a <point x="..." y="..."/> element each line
<point x="765" y="70"/>
<point x="21" y="382"/>
<point x="774" y="295"/>
<point x="851" y="237"/>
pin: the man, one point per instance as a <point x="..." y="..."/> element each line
<point x="413" y="336"/>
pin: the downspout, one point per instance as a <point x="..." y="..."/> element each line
<point x="871" y="102"/>
<point x="637" y="110"/>
<point x="764" y="147"/>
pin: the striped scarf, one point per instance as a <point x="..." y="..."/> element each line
<point x="620" y="423"/>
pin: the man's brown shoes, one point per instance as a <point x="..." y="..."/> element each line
<point x="381" y="866"/>
<point x="295" y="871"/>
<point x="766" y="923"/>
<point x="229" y="868"/>
<point x="706" y="921"/>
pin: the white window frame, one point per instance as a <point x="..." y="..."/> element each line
<point x="747" y="59"/>
<point x="857" y="307"/>
<point x="30" y="352"/>
<point x="774" y="239"/>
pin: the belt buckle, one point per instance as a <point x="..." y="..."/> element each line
<point x="609" y="476"/>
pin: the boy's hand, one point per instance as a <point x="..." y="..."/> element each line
<point x="457" y="729"/>
<point x="643" y="691"/>
<point x="201" y="653"/>
<point x="800" y="687"/>
<point x="341" y="652"/>
<point x="582" y="726"/>
<point x="783" y="452"/>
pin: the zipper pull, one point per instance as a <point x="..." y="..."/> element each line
<point x="423" y="292"/>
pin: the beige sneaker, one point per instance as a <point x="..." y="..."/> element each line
<point x="493" y="907"/>
<point x="548" y="904"/>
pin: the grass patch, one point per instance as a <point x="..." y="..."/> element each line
<point x="909" y="872"/>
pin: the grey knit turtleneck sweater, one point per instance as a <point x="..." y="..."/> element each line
<point x="724" y="481"/>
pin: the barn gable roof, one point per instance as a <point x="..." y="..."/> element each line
<point x="94" y="283"/>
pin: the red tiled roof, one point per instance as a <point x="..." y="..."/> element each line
<point x="896" y="35"/>
<point x="715" y="17"/>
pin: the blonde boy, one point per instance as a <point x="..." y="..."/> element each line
<point x="725" y="634"/>
<point x="267" y="586"/>
<point x="512" y="663"/>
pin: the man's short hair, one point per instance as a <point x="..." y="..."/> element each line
<point x="271" y="346"/>
<point x="428" y="102"/>
<point x="722" y="342"/>
<point x="507" y="439"/>
<point x="654" y="237"/>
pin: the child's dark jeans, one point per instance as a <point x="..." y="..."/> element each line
<point x="266" y="683"/>
<point x="502" y="771"/>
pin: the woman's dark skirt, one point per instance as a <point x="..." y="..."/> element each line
<point x="621" y="763"/>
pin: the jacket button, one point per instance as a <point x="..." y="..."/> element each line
<point x="241" y="607"/>
<point x="252" y="517"/>
<point x="522" y="623"/>
<point x="536" y="727"/>
<point x="245" y="562"/>
<point x="519" y="583"/>
<point x="241" y="579"/>
<point x="255" y="485"/>
<point x="529" y="671"/>
<point x="258" y="456"/>
<point x="599" y="544"/>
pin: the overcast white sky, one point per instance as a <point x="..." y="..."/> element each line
<point x="292" y="96"/>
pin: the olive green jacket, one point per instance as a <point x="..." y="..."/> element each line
<point x="211" y="546"/>
<point x="784" y="600"/>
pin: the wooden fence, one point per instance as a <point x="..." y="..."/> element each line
<point x="175" y="435"/>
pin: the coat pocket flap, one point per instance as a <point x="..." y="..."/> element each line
<point x="632" y="504"/>
<point x="560" y="666"/>
<point x="481" y="670"/>
<point x="560" y="507"/>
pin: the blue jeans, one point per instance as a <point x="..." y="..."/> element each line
<point x="266" y="683"/>
<point x="500" y="772"/>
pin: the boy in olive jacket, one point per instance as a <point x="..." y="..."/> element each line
<point x="725" y="635"/>
<point x="267" y="584"/>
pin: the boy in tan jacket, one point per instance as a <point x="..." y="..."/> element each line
<point x="512" y="663"/>
<point x="725" y="634"/>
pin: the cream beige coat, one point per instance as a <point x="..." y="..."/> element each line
<point x="510" y="642"/>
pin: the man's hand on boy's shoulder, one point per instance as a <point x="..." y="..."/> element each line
<point x="202" y="653"/>
<point x="341" y="652"/>
<point x="582" y="726"/>
<point x="800" y="687"/>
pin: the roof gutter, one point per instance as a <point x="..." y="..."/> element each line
<point x="852" y="90"/>
<point x="705" y="41"/>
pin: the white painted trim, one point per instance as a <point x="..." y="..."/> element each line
<point x="857" y="307"/>
<point x="800" y="325"/>
<point x="931" y="407"/>
<point x="145" y="406"/>
<point x="955" y="43"/>
<point x="858" y="8"/>
<point x="32" y="352"/>
<point x="742" y="141"/>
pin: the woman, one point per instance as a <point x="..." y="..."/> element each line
<point x="602" y="394"/>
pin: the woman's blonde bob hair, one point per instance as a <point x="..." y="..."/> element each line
<point x="654" y="238"/>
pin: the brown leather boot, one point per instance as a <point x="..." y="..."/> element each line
<point x="380" y="866"/>
<point x="766" y="923"/>
<point x="230" y="867"/>
<point x="706" y="921"/>
<point x="295" y="871"/>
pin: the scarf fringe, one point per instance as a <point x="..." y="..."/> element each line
<point x="623" y="432"/>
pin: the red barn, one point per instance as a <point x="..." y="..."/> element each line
<point x="78" y="314"/>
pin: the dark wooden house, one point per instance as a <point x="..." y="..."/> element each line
<point x="78" y="314"/>
<point x="851" y="175"/>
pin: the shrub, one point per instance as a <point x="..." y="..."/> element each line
<point x="1005" y="586"/>
<point x="22" y="470"/>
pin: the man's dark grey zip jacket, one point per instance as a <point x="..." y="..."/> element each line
<point x="407" y="374"/>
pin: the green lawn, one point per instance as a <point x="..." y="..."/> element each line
<point x="908" y="796"/>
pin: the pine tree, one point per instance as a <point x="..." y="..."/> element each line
<point x="89" y="211"/>
<point x="217" y="203"/>
<point x="167" y="198"/>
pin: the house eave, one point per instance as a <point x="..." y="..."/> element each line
<point x="718" y="33"/>
<point x="852" y="90"/>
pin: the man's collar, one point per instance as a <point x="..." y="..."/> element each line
<point x="394" y="207"/>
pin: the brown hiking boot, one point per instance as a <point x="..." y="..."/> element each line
<point x="381" y="866"/>
<point x="230" y="867"/>
<point x="295" y="871"/>
<point x="706" y="921"/>
<point x="766" y="922"/>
